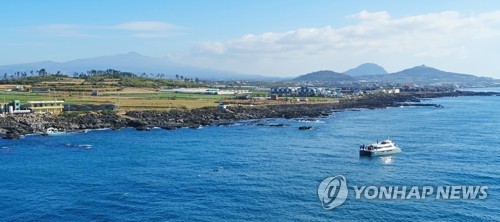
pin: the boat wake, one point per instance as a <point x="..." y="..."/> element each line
<point x="309" y="120"/>
<point x="80" y="146"/>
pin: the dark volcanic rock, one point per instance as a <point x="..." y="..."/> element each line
<point x="305" y="127"/>
<point x="11" y="135"/>
<point x="143" y="128"/>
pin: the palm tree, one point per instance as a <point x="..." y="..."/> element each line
<point x="42" y="72"/>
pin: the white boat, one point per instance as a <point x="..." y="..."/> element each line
<point x="52" y="131"/>
<point x="386" y="147"/>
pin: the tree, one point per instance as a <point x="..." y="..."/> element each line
<point x="176" y="76"/>
<point x="42" y="72"/>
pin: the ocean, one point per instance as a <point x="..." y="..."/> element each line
<point x="245" y="172"/>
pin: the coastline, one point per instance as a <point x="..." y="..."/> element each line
<point x="12" y="127"/>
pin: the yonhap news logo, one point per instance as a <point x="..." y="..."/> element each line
<point x="333" y="191"/>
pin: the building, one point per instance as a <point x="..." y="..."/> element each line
<point x="14" y="107"/>
<point x="392" y="91"/>
<point x="335" y="92"/>
<point x="284" y="91"/>
<point x="18" y="88"/>
<point x="49" y="107"/>
<point x="306" y="91"/>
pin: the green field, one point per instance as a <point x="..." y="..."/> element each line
<point x="126" y="101"/>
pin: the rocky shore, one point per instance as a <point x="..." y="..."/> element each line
<point x="13" y="126"/>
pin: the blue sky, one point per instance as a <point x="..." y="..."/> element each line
<point x="279" y="38"/>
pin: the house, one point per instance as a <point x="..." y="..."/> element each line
<point x="18" y="88"/>
<point x="392" y="91"/>
<point x="50" y="107"/>
<point x="308" y="91"/>
<point x="284" y="91"/>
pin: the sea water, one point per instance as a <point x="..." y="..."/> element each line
<point x="246" y="172"/>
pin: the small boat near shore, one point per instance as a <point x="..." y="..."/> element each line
<point x="386" y="147"/>
<point x="51" y="131"/>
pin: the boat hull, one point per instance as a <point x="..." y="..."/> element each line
<point x="382" y="152"/>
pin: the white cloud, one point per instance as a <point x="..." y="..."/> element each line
<point x="145" y="26"/>
<point x="137" y="29"/>
<point x="376" y="35"/>
<point x="365" y="15"/>
<point x="376" y="32"/>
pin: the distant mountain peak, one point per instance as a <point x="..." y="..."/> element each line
<point x="426" y="75"/>
<point x="133" y="53"/>
<point x="129" y="62"/>
<point x="422" y="69"/>
<point x="324" y="75"/>
<point x="366" y="69"/>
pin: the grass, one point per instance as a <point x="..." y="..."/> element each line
<point x="126" y="101"/>
<point x="145" y="99"/>
<point x="122" y="89"/>
<point x="172" y="96"/>
<point x="23" y="96"/>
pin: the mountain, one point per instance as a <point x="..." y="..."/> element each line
<point x="324" y="76"/>
<point x="427" y="75"/>
<point x="366" y="69"/>
<point x="130" y="62"/>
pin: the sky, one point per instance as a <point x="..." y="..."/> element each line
<point x="271" y="37"/>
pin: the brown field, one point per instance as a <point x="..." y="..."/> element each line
<point x="136" y="98"/>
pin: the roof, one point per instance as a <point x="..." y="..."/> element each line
<point x="48" y="101"/>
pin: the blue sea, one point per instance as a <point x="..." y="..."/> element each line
<point x="245" y="172"/>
